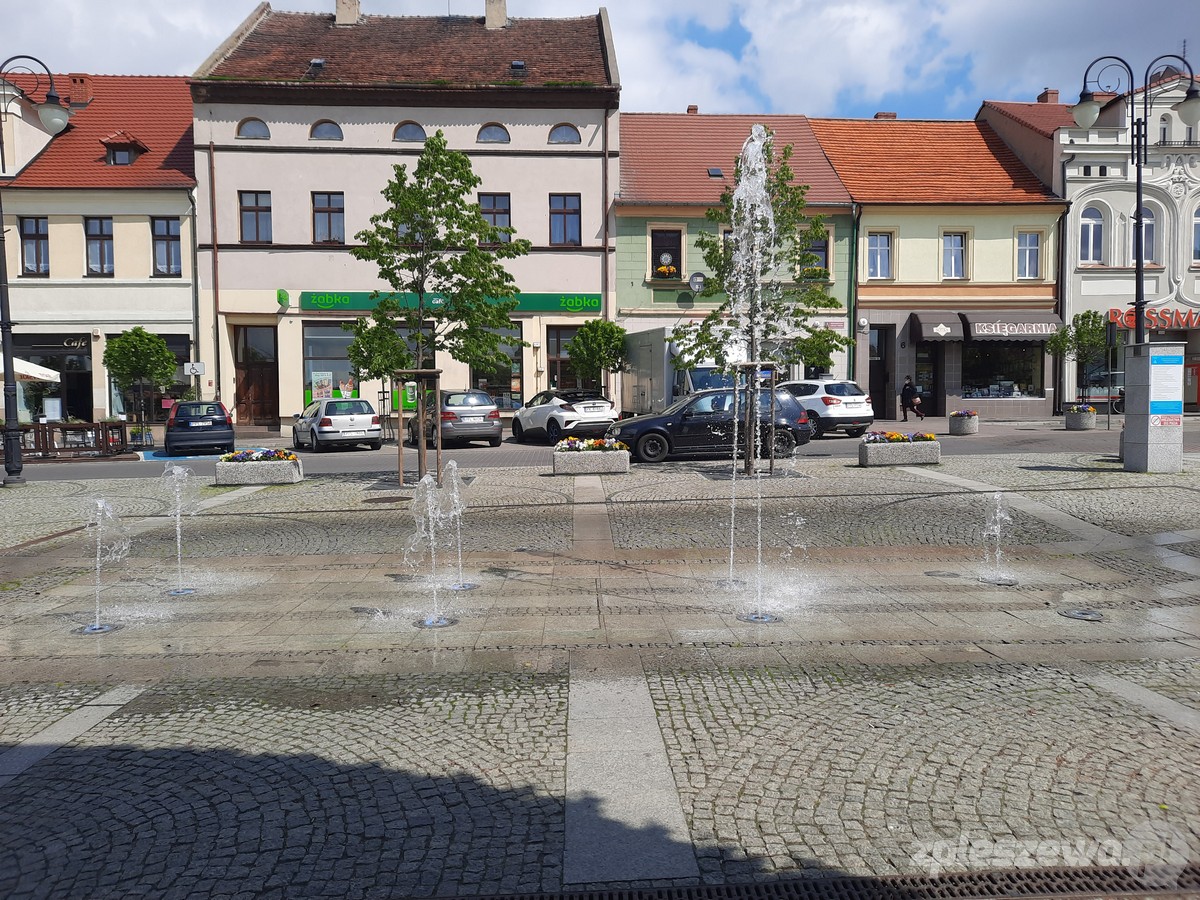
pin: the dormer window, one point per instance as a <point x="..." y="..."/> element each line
<point x="120" y="156"/>
<point x="121" y="149"/>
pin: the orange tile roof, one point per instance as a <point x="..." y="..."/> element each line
<point x="446" y="51"/>
<point x="665" y="157"/>
<point x="899" y="161"/>
<point x="158" y="109"/>
<point x="1043" y="118"/>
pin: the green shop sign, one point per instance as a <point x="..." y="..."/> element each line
<point x="362" y="302"/>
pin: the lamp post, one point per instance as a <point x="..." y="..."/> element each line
<point x="54" y="119"/>
<point x="1085" y="113"/>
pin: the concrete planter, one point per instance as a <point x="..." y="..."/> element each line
<point x="591" y="462"/>
<point x="272" y="471"/>
<point x="1080" y="421"/>
<point x="964" y="424"/>
<point x="921" y="453"/>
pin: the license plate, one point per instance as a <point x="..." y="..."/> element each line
<point x="199" y="424"/>
<point x="473" y="419"/>
<point x="353" y="433"/>
<point x="594" y="407"/>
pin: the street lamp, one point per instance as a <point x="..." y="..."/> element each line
<point x="1085" y="114"/>
<point x="54" y="119"/>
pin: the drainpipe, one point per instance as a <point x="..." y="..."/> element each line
<point x="605" y="205"/>
<point x="856" y="210"/>
<point x="195" y="286"/>
<point x="216" y="279"/>
<point x="1061" y="302"/>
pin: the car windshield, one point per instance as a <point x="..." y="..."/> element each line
<point x="843" y="389"/>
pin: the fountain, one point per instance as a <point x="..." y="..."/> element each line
<point x="434" y="510"/>
<point x="995" y="531"/>
<point x="455" y="507"/>
<point x="112" y="545"/>
<point x="178" y="478"/>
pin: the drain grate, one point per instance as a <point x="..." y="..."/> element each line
<point x="1094" y="881"/>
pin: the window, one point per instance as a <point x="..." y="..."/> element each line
<point x="253" y="130"/>
<point x="497" y="212"/>
<point x="817" y="268"/>
<point x="329" y="218"/>
<point x="325" y="130"/>
<point x="666" y="253"/>
<point x="1003" y="369"/>
<point x="879" y="255"/>
<point x="492" y="134"/>
<point x="1029" y="254"/>
<point x="565" y="224"/>
<point x="327" y="362"/>
<point x="558" y="361"/>
<point x="954" y="255"/>
<point x="564" y="134"/>
<point x="1189" y="134"/>
<point x="1087" y="170"/>
<point x="167" y="256"/>
<point x="409" y="131"/>
<point x="1196" y="237"/>
<point x="120" y="156"/>
<point x="255" y="209"/>
<point x="1147" y="235"/>
<point x="1164" y="129"/>
<point x="1091" y="236"/>
<point x="504" y="381"/>
<point x="35" y="246"/>
<point x="98" y="233"/>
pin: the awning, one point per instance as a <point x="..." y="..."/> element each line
<point x="935" y="325"/>
<point x="1011" y="324"/>
<point x="27" y="371"/>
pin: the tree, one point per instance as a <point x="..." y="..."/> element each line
<point x="598" y="346"/>
<point x="137" y="357"/>
<point x="760" y="267"/>
<point x="1085" y="341"/>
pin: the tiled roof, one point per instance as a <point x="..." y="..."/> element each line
<point x="446" y="51"/>
<point x="158" y="109"/>
<point x="665" y="157"/>
<point x="1043" y="118"/>
<point x="899" y="161"/>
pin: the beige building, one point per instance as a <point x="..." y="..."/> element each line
<point x="299" y="120"/>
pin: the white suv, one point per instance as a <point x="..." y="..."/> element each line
<point x="833" y="405"/>
<point x="557" y="414"/>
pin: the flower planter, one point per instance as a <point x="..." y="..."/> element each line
<point x="1080" y="421"/>
<point x="591" y="462"/>
<point x="275" y="471"/>
<point x="919" y="453"/>
<point x="964" y="424"/>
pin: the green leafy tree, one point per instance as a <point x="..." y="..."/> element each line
<point x="768" y="305"/>
<point x="137" y="357"/>
<point x="598" y="346"/>
<point x="1085" y="341"/>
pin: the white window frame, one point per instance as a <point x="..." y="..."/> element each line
<point x="1149" y="231"/>
<point x="652" y="263"/>
<point x="1091" y="225"/>
<point x="1023" y="252"/>
<point x="1196" y="237"/>
<point x="964" y="250"/>
<point x="871" y="251"/>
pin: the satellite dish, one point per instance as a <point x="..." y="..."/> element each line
<point x="696" y="282"/>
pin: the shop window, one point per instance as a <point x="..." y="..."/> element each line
<point x="666" y="253"/>
<point x="156" y="401"/>
<point x="1003" y="369"/>
<point x="504" y="381"/>
<point x="559" y="372"/>
<point x="327" y="370"/>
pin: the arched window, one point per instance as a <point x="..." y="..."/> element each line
<point x="564" y="134"/>
<point x="325" y="130"/>
<point x="253" y="129"/>
<point x="1091" y="236"/>
<point x="492" y="133"/>
<point x="1196" y="237"/>
<point x="409" y="131"/>
<point x="1164" y="129"/>
<point x="1148" y="254"/>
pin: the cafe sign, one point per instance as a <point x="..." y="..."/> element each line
<point x="358" y="302"/>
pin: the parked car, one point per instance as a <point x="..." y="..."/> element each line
<point x="470" y="415"/>
<point x="337" y="423"/>
<point x="557" y="414"/>
<point x="703" y="423"/>
<point x="198" y="424"/>
<point x="833" y="404"/>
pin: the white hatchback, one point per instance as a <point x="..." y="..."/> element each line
<point x="557" y="414"/>
<point x="342" y="423"/>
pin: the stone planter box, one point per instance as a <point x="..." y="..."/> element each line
<point x="591" y="462"/>
<point x="272" y="471"/>
<point x="921" y="453"/>
<point x="1080" y="421"/>
<point x="964" y="424"/>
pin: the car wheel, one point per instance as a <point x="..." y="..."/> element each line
<point x="783" y="444"/>
<point x="815" y="421"/>
<point x="494" y="442"/>
<point x="296" y="445"/>
<point x="376" y="445"/>
<point x="856" y="432"/>
<point x="1118" y="406"/>
<point x="554" y="431"/>
<point x="169" y="450"/>
<point x="518" y="432"/>
<point x="314" y="443"/>
<point x="652" y="448"/>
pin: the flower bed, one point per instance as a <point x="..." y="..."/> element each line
<point x="593" y="456"/>
<point x="964" y="421"/>
<point x="1080" y="418"/>
<point x="894" y="448"/>
<point x="259" y="466"/>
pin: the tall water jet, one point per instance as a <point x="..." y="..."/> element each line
<point x="178" y="479"/>
<point x="996" y="530"/>
<point x="112" y="545"/>
<point x="430" y="516"/>
<point x="455" y="507"/>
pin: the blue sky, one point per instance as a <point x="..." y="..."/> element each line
<point x="918" y="58"/>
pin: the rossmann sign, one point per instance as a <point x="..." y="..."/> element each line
<point x="1159" y="318"/>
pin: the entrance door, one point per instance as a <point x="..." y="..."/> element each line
<point x="880" y="375"/>
<point x="928" y="377"/>
<point x="256" y="373"/>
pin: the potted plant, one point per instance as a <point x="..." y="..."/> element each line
<point x="964" y="421"/>
<point x="894" y="448"/>
<point x="590" y="456"/>
<point x="259" y="466"/>
<point x="1080" y="418"/>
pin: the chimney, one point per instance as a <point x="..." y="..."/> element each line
<point x="1048" y="96"/>
<point x="346" y="12"/>
<point x="693" y="109"/>
<point x="495" y="14"/>
<point x="885" y="115"/>
<point x="80" y="93"/>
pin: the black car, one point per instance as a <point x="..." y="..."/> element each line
<point x="198" y="425"/>
<point x="703" y="423"/>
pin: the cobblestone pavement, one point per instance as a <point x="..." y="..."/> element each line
<point x="287" y="731"/>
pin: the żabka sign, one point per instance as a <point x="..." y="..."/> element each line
<point x="1156" y="317"/>
<point x="1005" y="329"/>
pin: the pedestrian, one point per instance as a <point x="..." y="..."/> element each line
<point x="910" y="399"/>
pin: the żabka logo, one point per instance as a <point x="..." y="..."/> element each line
<point x="579" y="304"/>
<point x="329" y="301"/>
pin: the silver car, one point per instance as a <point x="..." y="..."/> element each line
<point x="337" y="423"/>
<point x="469" y="415"/>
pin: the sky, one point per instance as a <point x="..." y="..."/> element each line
<point x="918" y="58"/>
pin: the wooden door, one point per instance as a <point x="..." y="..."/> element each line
<point x="256" y="375"/>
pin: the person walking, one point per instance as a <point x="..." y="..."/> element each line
<point x="910" y="400"/>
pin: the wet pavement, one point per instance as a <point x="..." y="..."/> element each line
<point x="598" y="715"/>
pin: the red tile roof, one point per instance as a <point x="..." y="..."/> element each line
<point x="665" y="157"/>
<point x="900" y="161"/>
<point x="1043" y="118"/>
<point x="158" y="109"/>
<point x="446" y="51"/>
